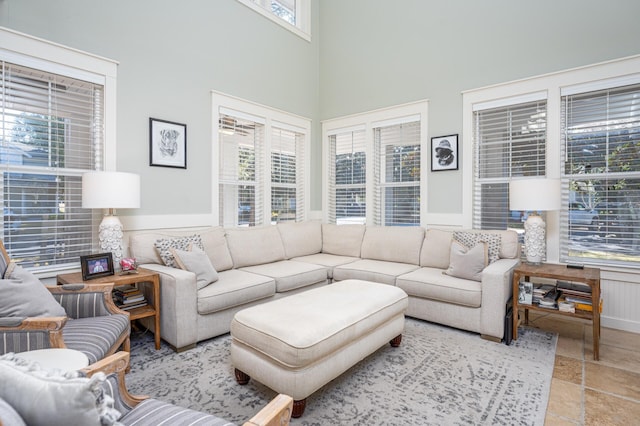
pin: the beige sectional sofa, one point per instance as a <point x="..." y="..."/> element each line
<point x="258" y="264"/>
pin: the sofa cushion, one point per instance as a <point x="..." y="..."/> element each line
<point x="342" y="240"/>
<point x="49" y="398"/>
<point x="155" y="412"/>
<point x="24" y="295"/>
<point x="468" y="263"/>
<point x="196" y="261"/>
<point x="214" y="243"/>
<point x="372" y="270"/>
<point x="393" y="243"/>
<point x="255" y="245"/>
<point x="431" y="283"/>
<point x="301" y="238"/>
<point x="234" y="288"/>
<point x="290" y="275"/>
<point x="329" y="261"/>
<point x="435" y="248"/>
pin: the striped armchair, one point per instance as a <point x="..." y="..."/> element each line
<point x="142" y="410"/>
<point x="94" y="325"/>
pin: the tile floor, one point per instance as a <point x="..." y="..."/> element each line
<point x="588" y="392"/>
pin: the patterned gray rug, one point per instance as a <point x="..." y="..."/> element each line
<point x="437" y="376"/>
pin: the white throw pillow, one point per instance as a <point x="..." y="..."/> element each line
<point x="197" y="262"/>
<point x="23" y="295"/>
<point x="51" y="398"/>
<point x="468" y="263"/>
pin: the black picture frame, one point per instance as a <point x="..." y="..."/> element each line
<point x="444" y="153"/>
<point x="167" y="144"/>
<point x="96" y="265"/>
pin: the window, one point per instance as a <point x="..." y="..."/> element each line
<point x="50" y="128"/>
<point x="375" y="172"/>
<point x="509" y="142"/>
<point x="347" y="177"/>
<point x="601" y="176"/>
<point x="294" y="15"/>
<point x="397" y="179"/>
<point x="261" y="164"/>
<point x="591" y="142"/>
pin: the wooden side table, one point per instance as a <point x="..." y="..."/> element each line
<point x="144" y="276"/>
<point x="589" y="276"/>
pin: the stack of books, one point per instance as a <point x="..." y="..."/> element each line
<point x="128" y="297"/>
<point x="539" y="290"/>
<point x="577" y="293"/>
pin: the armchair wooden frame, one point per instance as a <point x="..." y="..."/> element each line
<point x="53" y="326"/>
<point x="276" y="413"/>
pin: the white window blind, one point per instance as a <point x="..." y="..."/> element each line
<point x="600" y="219"/>
<point x="397" y="174"/>
<point x="509" y="141"/>
<point x="287" y="175"/>
<point x="347" y="177"/>
<point x="51" y="127"/>
<point x="241" y="172"/>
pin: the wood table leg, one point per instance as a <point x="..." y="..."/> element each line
<point x="395" y="342"/>
<point x="241" y="377"/>
<point x="298" y="408"/>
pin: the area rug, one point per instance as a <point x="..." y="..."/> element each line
<point x="437" y="376"/>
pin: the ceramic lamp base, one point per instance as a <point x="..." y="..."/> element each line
<point x="535" y="240"/>
<point x="110" y="237"/>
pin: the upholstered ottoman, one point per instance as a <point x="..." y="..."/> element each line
<point x="297" y="344"/>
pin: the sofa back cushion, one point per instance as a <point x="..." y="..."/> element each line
<point x="142" y="245"/>
<point x="393" y="243"/>
<point x="342" y="240"/>
<point x="301" y="238"/>
<point x="437" y="246"/>
<point x="436" y="249"/>
<point x="255" y="245"/>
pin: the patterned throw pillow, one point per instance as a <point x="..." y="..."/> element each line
<point x="470" y="239"/>
<point x="182" y="243"/>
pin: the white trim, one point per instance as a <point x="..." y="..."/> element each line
<point x="592" y="86"/>
<point x="145" y="222"/>
<point x="512" y="100"/>
<point x="303" y="17"/>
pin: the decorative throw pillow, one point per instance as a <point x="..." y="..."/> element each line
<point x="23" y="295"/>
<point x="49" y="398"/>
<point x="468" y="263"/>
<point x="470" y="239"/>
<point x="182" y="243"/>
<point x="197" y="262"/>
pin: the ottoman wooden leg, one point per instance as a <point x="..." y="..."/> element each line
<point x="298" y="408"/>
<point x="241" y="377"/>
<point x="396" y="341"/>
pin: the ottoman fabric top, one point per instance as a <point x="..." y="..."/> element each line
<point x="300" y="329"/>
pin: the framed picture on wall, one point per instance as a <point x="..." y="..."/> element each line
<point x="444" y="153"/>
<point x="168" y="144"/>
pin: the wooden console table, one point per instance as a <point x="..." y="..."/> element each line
<point x="589" y="276"/>
<point x="152" y="293"/>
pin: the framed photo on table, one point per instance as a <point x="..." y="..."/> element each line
<point x="96" y="265"/>
<point x="167" y="144"/>
<point x="444" y="153"/>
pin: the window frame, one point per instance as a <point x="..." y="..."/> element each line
<point x="622" y="70"/>
<point x="271" y="118"/>
<point x="25" y="50"/>
<point x="370" y="120"/>
<point x="303" y="16"/>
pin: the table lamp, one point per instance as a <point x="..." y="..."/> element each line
<point x="534" y="195"/>
<point x="111" y="190"/>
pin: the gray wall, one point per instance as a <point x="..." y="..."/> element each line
<point x="364" y="55"/>
<point x="171" y="55"/>
<point x="376" y="53"/>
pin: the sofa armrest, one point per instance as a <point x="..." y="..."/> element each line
<point x="178" y="305"/>
<point x="277" y="412"/>
<point x="496" y="292"/>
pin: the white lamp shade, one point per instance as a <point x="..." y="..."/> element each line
<point x="110" y="190"/>
<point x="534" y="194"/>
